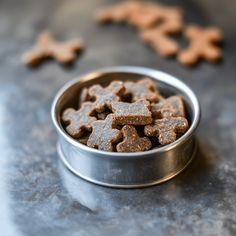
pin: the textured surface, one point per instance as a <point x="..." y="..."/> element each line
<point x="40" y="197"/>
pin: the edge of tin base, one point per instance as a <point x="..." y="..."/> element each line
<point x="159" y="181"/>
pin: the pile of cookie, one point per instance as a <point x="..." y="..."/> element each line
<point x="129" y="116"/>
<point x="157" y="24"/>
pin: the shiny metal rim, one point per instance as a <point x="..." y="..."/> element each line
<point x="158" y="75"/>
<point x="156" y="182"/>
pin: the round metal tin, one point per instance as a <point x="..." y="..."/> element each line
<point x="126" y="170"/>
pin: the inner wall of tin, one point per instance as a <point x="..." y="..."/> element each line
<point x="70" y="98"/>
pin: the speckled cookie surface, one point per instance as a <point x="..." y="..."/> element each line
<point x="126" y="116"/>
<point x="104" y="134"/>
<point x="132" y="142"/>
<point x="172" y="106"/>
<point x="136" y="113"/>
<point x="105" y="96"/>
<point x="143" y="89"/>
<point x="166" y="129"/>
<point x="79" y="120"/>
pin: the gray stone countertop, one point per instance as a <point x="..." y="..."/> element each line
<point x="40" y="197"/>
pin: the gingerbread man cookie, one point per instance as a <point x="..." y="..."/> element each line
<point x="104" y="134"/>
<point x="166" y="129"/>
<point x="132" y="142"/>
<point x="145" y="16"/>
<point x="80" y="120"/>
<point x="202" y="45"/>
<point x="117" y="13"/>
<point x="143" y="89"/>
<point x="172" y="106"/>
<point x="47" y="47"/>
<point x="105" y="96"/>
<point x="159" y="36"/>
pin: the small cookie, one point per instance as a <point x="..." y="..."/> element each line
<point x="172" y="20"/>
<point x="159" y="36"/>
<point x="145" y="16"/>
<point x="172" y="106"/>
<point x="104" y="134"/>
<point x="202" y="45"/>
<point x="143" y="89"/>
<point x="166" y="129"/>
<point x="117" y="13"/>
<point x="136" y="113"/>
<point x="105" y="96"/>
<point x="47" y="47"/>
<point x="132" y="142"/>
<point x="79" y="120"/>
<point x="160" y="42"/>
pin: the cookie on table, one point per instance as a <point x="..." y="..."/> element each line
<point x="159" y="36"/>
<point x="202" y="45"/>
<point x="118" y="13"/>
<point x="47" y="47"/>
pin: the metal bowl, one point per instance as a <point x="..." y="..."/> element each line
<point x="126" y="170"/>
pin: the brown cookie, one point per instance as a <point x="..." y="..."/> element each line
<point x="145" y="15"/>
<point x="160" y="42"/>
<point x="166" y="129"/>
<point x="172" y="106"/>
<point x="47" y="47"/>
<point x="115" y="14"/>
<point x="201" y="45"/>
<point x="105" y="96"/>
<point x="104" y="134"/>
<point x="132" y="142"/>
<point x="159" y="36"/>
<point x="80" y="120"/>
<point x="136" y="113"/>
<point x="143" y="89"/>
